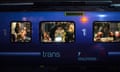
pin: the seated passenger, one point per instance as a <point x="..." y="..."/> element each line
<point x="46" y="37"/>
<point x="23" y="36"/>
<point x="60" y="34"/>
<point x="70" y="33"/>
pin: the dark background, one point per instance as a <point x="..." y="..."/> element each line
<point x="114" y="1"/>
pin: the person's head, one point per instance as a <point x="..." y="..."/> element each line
<point x="71" y="28"/>
<point x="99" y="34"/>
<point x="18" y="24"/>
<point x="111" y="34"/>
<point x="117" y="33"/>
